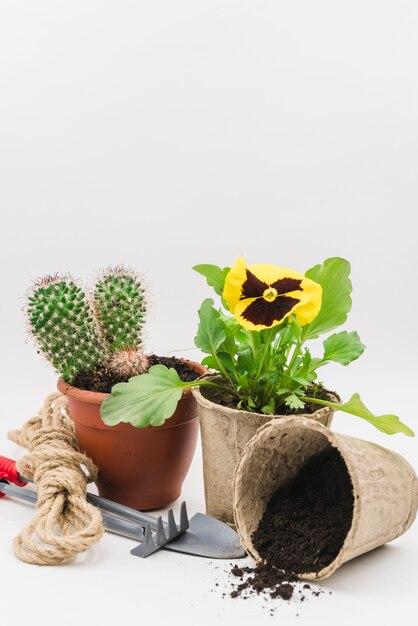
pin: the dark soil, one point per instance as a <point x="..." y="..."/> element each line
<point x="220" y="397"/>
<point x="265" y="579"/>
<point x="302" y="530"/>
<point x="306" y="522"/>
<point x="183" y="369"/>
<point x="262" y="577"/>
<point x="102" y="381"/>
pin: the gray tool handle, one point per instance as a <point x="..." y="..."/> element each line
<point x="119" y="509"/>
<point x="23" y="494"/>
<point x="113" y="524"/>
<point x="119" y="526"/>
<point x="125" y="511"/>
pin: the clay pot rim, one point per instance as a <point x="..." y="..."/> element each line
<point x="97" y="397"/>
<point x="320" y="412"/>
<point x="332" y="439"/>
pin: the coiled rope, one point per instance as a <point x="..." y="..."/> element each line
<point x="65" y="524"/>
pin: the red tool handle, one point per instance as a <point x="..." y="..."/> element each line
<point x="8" y="471"/>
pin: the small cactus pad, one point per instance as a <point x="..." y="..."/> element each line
<point x="127" y="363"/>
<point x="62" y="322"/>
<point x="120" y="308"/>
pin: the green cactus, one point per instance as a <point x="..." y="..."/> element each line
<point x="62" y="323"/>
<point x="120" y="308"/>
<point x="119" y="304"/>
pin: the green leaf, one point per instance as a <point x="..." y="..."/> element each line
<point x="210" y="362"/>
<point x="272" y="377"/>
<point x="246" y="362"/>
<point x="269" y="409"/>
<point x="215" y="276"/>
<point x="211" y="332"/>
<point x="333" y="276"/>
<point x="251" y="403"/>
<point x="294" y="402"/>
<point x="287" y="334"/>
<point x="343" y="348"/>
<point x="306" y="361"/>
<point x="227" y="361"/>
<point x="148" y="399"/>
<point x="389" y="424"/>
<point x="303" y="382"/>
<point x="230" y="344"/>
<point x="314" y="364"/>
<point x="235" y="330"/>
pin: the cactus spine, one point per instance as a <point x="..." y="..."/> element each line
<point x="119" y="304"/>
<point x="61" y="320"/>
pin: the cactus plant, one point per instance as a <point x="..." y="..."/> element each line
<point x="119" y="304"/>
<point x="62" y="323"/>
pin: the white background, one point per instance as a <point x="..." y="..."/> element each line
<point x="163" y="134"/>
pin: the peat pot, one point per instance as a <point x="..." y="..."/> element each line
<point x="385" y="487"/>
<point x="143" y="468"/>
<point x="224" y="434"/>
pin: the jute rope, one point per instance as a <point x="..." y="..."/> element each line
<point x="65" y="523"/>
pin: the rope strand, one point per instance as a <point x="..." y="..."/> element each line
<point x="65" y="524"/>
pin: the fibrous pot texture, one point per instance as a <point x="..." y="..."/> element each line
<point x="224" y="435"/>
<point x="385" y="487"/>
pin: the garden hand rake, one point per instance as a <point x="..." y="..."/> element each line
<point x="202" y="535"/>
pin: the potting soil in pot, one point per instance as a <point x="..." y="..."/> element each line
<point x="102" y="380"/>
<point x="303" y="528"/>
<point x="306" y="521"/>
<point x="219" y="396"/>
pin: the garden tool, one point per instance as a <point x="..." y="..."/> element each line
<point x="202" y="535"/>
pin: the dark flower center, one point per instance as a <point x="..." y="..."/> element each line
<point x="272" y="304"/>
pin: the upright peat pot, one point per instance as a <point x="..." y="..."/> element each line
<point x="372" y="491"/>
<point x="224" y="435"/>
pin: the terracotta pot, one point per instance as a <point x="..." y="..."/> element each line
<point x="143" y="468"/>
<point x="385" y="487"/>
<point x="224" y="433"/>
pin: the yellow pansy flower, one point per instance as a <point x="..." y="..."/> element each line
<point x="262" y="296"/>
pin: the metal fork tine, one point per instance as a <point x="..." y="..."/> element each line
<point x="148" y="543"/>
<point x="172" y="526"/>
<point x="184" y="520"/>
<point x="160" y="534"/>
<point x="147" y="546"/>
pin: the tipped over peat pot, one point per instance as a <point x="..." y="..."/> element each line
<point x="307" y="499"/>
<point x="143" y="468"/>
<point x="224" y="434"/>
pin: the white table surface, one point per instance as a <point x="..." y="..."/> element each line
<point x="108" y="585"/>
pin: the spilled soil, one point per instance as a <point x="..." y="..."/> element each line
<point x="263" y="577"/>
<point x="273" y="584"/>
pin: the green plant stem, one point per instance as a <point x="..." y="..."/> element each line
<point x="251" y="342"/>
<point x="321" y="363"/>
<point x="209" y="383"/>
<point x="263" y="357"/>
<point x="221" y="368"/>
<point x="287" y="350"/>
<point x="333" y="405"/>
<point x="295" y="354"/>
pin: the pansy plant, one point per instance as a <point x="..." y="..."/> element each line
<point x="256" y="343"/>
